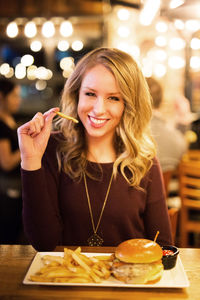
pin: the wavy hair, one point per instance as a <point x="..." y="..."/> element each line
<point x="133" y="142"/>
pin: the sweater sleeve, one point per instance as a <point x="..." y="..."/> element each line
<point x="42" y="221"/>
<point x="156" y="216"/>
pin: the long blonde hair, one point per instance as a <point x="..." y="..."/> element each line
<point x="133" y="143"/>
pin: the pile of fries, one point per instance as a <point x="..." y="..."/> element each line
<point x="74" y="267"/>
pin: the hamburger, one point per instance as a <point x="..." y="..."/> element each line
<point x="138" y="261"/>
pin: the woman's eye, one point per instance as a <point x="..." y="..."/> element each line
<point x="90" y="94"/>
<point x="114" y="98"/>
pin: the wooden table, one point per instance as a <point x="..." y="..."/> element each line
<point x="16" y="259"/>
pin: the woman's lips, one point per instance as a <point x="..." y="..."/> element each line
<point x="96" y="122"/>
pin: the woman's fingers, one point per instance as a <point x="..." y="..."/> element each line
<point x="50" y="114"/>
<point x="36" y="124"/>
<point x="41" y="121"/>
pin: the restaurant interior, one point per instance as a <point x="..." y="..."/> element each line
<point x="41" y="41"/>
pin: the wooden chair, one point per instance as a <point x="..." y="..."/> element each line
<point x="173" y="216"/>
<point x="193" y="155"/>
<point x="173" y="212"/>
<point x="189" y="190"/>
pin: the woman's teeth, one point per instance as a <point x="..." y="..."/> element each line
<point x="97" y="121"/>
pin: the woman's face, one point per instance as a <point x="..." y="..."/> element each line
<point x="100" y="105"/>
<point x="13" y="100"/>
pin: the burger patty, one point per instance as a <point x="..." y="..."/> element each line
<point x="137" y="272"/>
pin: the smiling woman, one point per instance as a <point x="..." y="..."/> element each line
<point x="101" y="172"/>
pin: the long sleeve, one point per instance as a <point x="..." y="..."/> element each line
<point x="42" y="221"/>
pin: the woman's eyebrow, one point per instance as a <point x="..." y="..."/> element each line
<point x="109" y="93"/>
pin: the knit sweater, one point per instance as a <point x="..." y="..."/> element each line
<point x="56" y="212"/>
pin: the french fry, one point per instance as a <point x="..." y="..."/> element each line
<point x="73" y="267"/>
<point x="66" y="117"/>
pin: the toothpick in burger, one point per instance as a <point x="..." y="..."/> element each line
<point x="138" y="261"/>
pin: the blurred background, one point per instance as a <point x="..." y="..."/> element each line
<point x="40" y="41"/>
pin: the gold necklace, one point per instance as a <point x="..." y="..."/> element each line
<point x="95" y="239"/>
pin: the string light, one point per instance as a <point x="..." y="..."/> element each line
<point x="48" y="29"/>
<point x="66" y="29"/>
<point x="36" y="46"/>
<point x="4" y="69"/>
<point x="123" y="14"/>
<point x="77" y="45"/>
<point x="195" y="43"/>
<point x="12" y="30"/>
<point x="161" y="27"/>
<point x="63" y="45"/>
<point x="30" y="29"/>
<point x="27" y="60"/>
<point x="20" y="71"/>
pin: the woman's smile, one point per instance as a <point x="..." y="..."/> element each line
<point x="97" y="122"/>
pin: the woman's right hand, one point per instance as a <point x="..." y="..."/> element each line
<point x="33" y="137"/>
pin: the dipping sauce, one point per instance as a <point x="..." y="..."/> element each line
<point x="168" y="252"/>
<point x="169" y="258"/>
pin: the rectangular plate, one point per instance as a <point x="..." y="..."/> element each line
<point x="174" y="278"/>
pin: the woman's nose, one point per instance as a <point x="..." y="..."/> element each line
<point x="99" y="105"/>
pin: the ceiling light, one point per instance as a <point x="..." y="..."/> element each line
<point x="36" y="46"/>
<point x="48" y="29"/>
<point x="20" y="71"/>
<point x="27" y="60"/>
<point x="66" y="29"/>
<point x="195" y="43"/>
<point x="123" y="14"/>
<point x="77" y="45"/>
<point x="161" y="27"/>
<point x="12" y="30"/>
<point x="160" y="41"/>
<point x="63" y="45"/>
<point x="30" y="29"/>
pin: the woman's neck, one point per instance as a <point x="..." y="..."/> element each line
<point x="101" y="152"/>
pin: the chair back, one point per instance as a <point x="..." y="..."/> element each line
<point x="193" y="155"/>
<point x="173" y="216"/>
<point x="189" y="190"/>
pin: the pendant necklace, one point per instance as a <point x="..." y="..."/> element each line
<point x="95" y="239"/>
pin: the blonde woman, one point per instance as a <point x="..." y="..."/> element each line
<point x="95" y="182"/>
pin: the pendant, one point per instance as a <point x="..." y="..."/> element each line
<point x="95" y="240"/>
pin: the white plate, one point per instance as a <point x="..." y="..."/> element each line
<point x="174" y="278"/>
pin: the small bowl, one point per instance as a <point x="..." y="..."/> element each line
<point x="169" y="259"/>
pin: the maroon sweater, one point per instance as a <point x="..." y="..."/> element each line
<point x="55" y="208"/>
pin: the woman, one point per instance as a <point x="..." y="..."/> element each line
<point x="96" y="182"/>
<point x="10" y="184"/>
